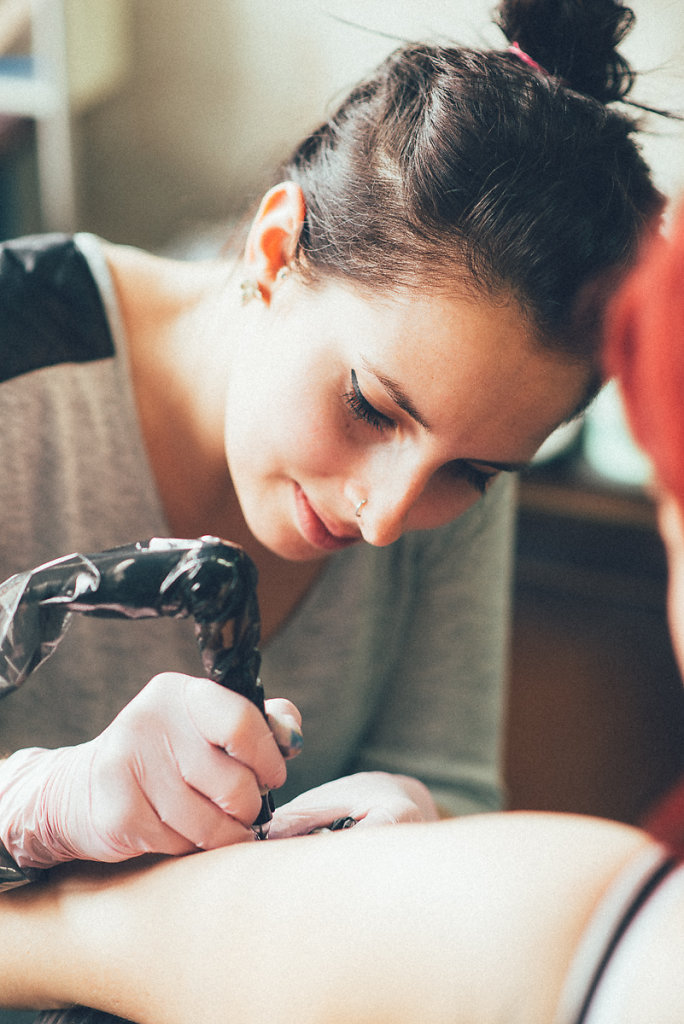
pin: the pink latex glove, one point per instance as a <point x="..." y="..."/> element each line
<point x="179" y="769"/>
<point x="371" y="798"/>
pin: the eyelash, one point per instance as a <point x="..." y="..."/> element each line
<point x="361" y="409"/>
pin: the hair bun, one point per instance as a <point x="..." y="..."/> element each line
<point x="576" y="40"/>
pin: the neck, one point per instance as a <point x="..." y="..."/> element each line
<point x="178" y="348"/>
<point x="178" y="319"/>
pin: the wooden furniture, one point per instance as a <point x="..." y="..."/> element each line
<point x="596" y="709"/>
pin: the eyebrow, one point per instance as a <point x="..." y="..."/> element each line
<point x="398" y="395"/>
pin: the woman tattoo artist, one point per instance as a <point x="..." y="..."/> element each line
<point x="347" y="399"/>
<point x="555" y="919"/>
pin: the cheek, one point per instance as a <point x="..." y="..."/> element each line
<point x="285" y="429"/>
<point x="314" y="434"/>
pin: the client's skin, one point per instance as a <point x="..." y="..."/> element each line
<point x="468" y="920"/>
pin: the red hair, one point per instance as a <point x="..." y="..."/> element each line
<point x="644" y="349"/>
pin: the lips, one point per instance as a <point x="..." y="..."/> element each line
<point x="314" y="530"/>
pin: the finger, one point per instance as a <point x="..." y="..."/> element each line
<point x="193" y="817"/>
<point x="298" y="819"/>
<point x="283" y="706"/>
<point x="124" y="824"/>
<point x="286" y="725"/>
<point x="233" y="723"/>
<point x="383" y="816"/>
<point x="228" y="784"/>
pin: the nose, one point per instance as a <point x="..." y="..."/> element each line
<point x="392" y="489"/>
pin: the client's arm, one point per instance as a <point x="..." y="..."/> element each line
<point x="474" y="919"/>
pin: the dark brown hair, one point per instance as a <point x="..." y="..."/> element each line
<point x="454" y="167"/>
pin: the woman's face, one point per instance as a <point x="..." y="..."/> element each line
<point x="412" y="402"/>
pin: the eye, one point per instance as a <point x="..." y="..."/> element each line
<point x="477" y="478"/>
<point x="361" y="409"/>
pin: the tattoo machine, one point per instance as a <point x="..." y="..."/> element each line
<point x="209" y="579"/>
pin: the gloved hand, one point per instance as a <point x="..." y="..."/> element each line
<point x="371" y="798"/>
<point x="179" y="769"/>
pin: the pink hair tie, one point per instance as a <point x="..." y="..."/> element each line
<point x="526" y="59"/>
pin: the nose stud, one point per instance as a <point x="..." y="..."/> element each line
<point x="357" y="510"/>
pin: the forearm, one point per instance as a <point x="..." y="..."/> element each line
<point x="31" y="932"/>
<point x="449" y="922"/>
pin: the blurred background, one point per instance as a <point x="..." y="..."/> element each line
<point x="156" y="122"/>
<point x="174" y="111"/>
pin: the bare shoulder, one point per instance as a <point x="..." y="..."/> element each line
<point x="644" y="980"/>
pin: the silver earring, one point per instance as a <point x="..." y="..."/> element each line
<point x="282" y="274"/>
<point x="250" y="290"/>
<point x="357" y="510"/>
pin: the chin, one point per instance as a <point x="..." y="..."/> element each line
<point x="285" y="545"/>
<point x="298" y="552"/>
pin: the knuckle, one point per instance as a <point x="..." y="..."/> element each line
<point x="241" y="806"/>
<point x="243" y="725"/>
<point x="228" y="834"/>
<point x="155" y="700"/>
<point x="279" y="776"/>
<point x="162" y="684"/>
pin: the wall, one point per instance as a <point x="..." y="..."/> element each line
<point x="219" y="90"/>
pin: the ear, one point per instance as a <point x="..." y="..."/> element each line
<point x="274" y="233"/>
<point x="671" y="524"/>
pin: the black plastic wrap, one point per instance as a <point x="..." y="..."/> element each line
<point x="207" y="579"/>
